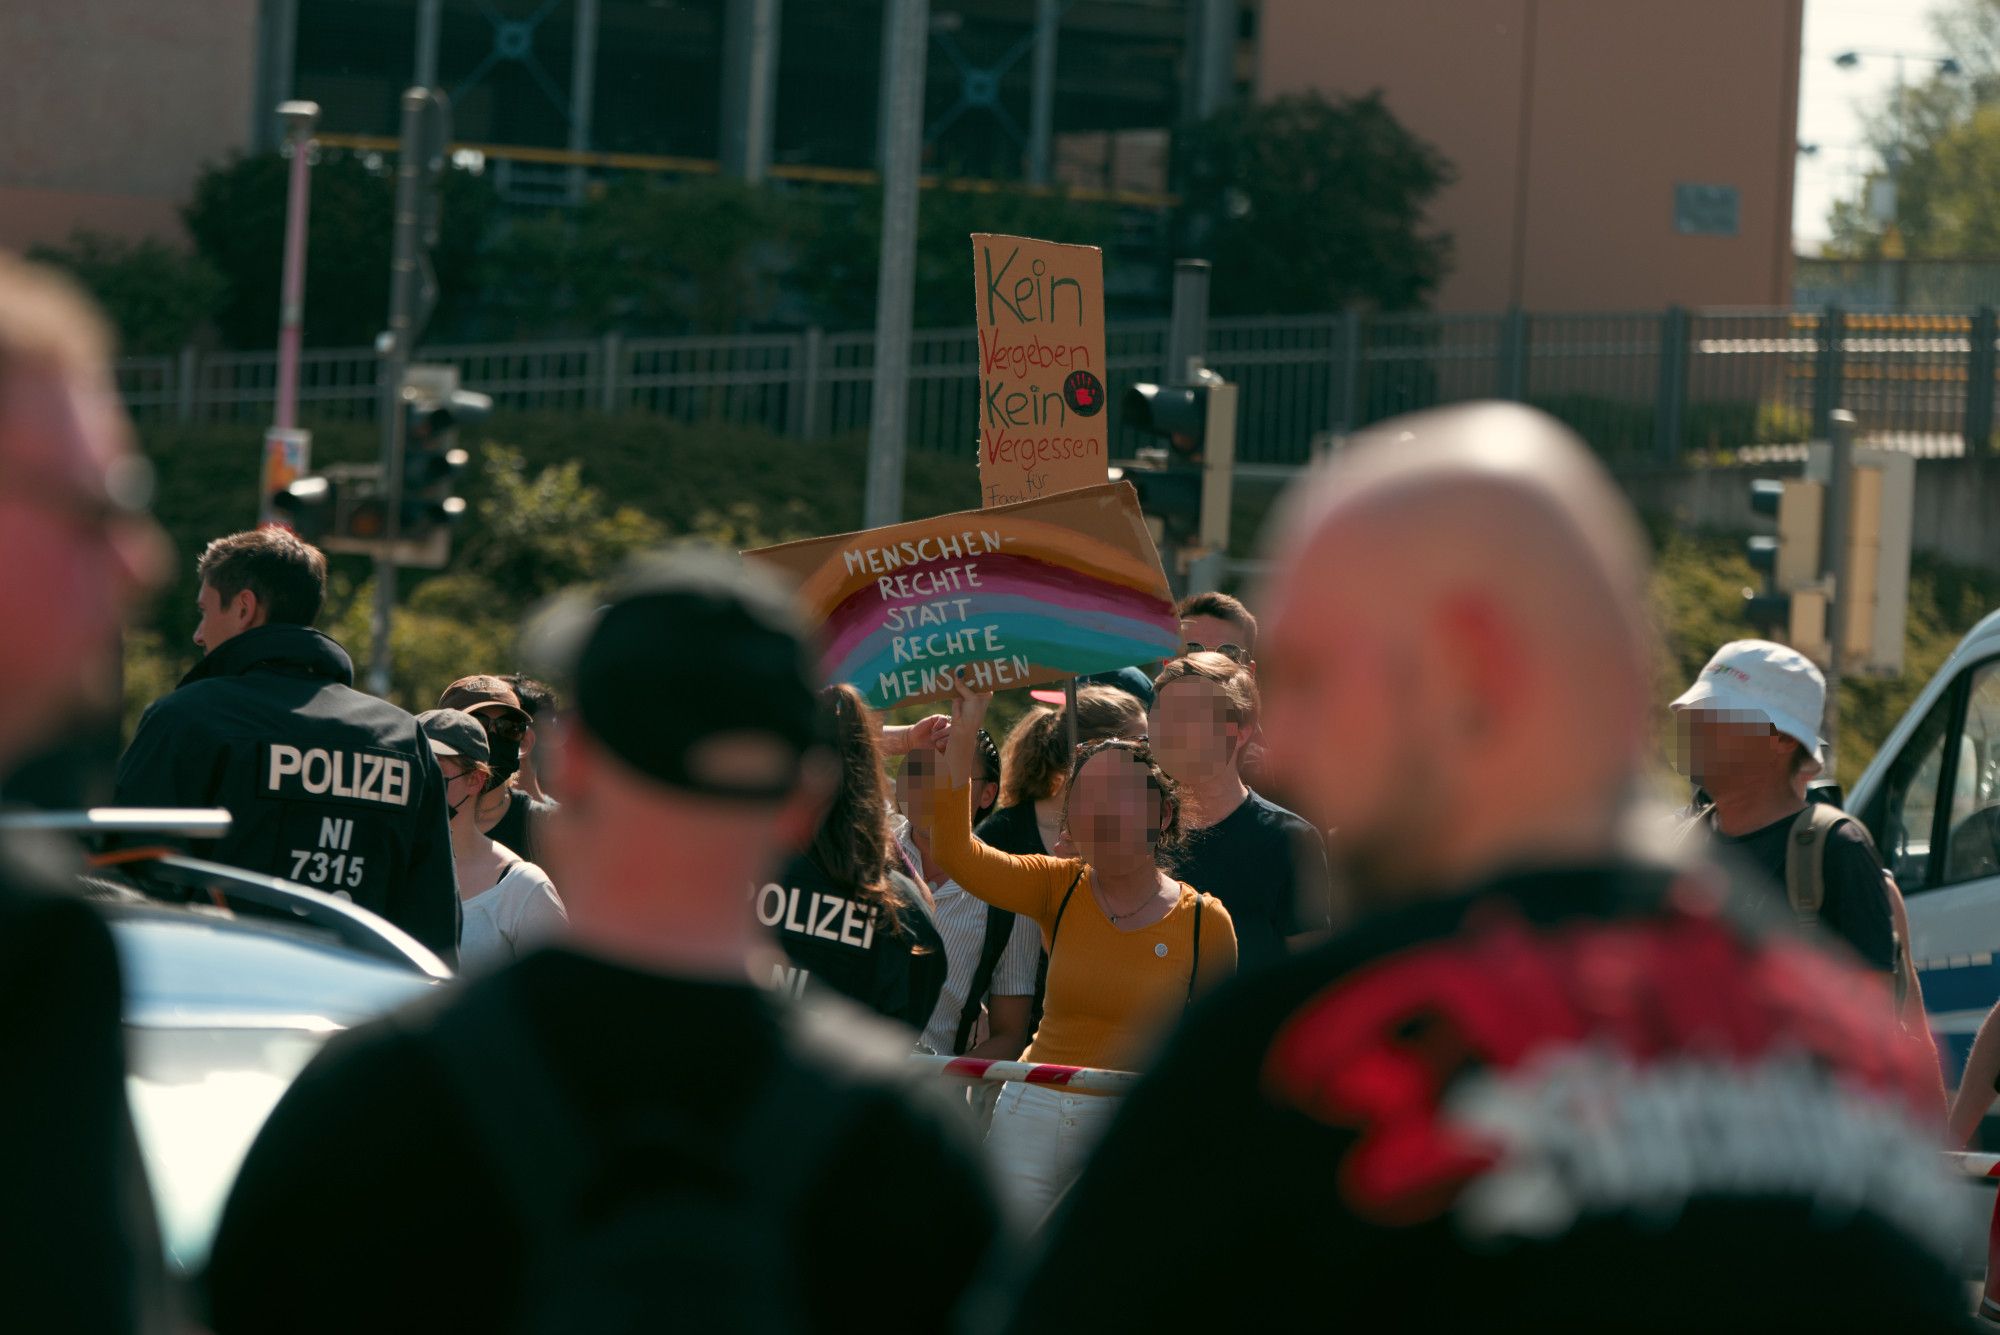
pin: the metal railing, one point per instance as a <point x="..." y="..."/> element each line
<point x="1644" y="387"/>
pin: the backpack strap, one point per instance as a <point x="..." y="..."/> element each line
<point x="1063" y="907"/>
<point x="999" y="930"/>
<point x="1194" y="966"/>
<point x="1805" y="858"/>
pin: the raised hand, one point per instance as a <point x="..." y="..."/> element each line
<point x="968" y="711"/>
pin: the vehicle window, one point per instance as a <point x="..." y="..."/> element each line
<point x="1909" y="800"/>
<point x="199" y="1097"/>
<point x="1972" y="848"/>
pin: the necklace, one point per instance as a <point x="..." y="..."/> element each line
<point x="1121" y="917"/>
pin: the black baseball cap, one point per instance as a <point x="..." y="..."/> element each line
<point x="453" y="732"/>
<point x="693" y="667"/>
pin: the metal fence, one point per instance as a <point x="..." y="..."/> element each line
<point x="1641" y="386"/>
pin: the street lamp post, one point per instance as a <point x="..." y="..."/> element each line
<point x="288" y="450"/>
<point x="299" y="118"/>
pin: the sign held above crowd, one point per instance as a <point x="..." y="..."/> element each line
<point x="1043" y="424"/>
<point x="1016" y="595"/>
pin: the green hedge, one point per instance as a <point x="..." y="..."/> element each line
<point x="638" y="479"/>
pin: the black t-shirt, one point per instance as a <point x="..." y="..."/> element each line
<point x="1856" y="907"/>
<point x="1597" y="1098"/>
<point x="366" y="1203"/>
<point x="516" y="826"/>
<point x="1013" y="830"/>
<point x="1268" y="867"/>
<point x="82" y="1248"/>
<point x="839" y="942"/>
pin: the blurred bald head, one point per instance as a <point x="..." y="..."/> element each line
<point x="1456" y="648"/>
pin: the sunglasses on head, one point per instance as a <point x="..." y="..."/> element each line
<point x="1235" y="653"/>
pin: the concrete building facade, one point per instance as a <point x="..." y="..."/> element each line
<point x="109" y="108"/>
<point x="1610" y="154"/>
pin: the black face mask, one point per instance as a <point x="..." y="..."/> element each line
<point x="505" y="758"/>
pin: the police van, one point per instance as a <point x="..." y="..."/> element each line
<point x="1931" y="799"/>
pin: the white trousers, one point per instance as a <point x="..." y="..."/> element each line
<point x="1038" y="1142"/>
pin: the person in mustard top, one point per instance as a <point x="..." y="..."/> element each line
<point x="1129" y="946"/>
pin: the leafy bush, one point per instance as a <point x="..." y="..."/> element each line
<point x="237" y="218"/>
<point x="157" y="297"/>
<point x="539" y="519"/>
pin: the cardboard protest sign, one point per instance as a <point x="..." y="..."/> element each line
<point x="1017" y="595"/>
<point x="1043" y="424"/>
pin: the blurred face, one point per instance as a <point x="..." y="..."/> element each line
<point x="1114" y="814"/>
<point x="1728" y="748"/>
<point x="1213" y="634"/>
<point x="918" y="783"/>
<point x="1194" y="738"/>
<point x="542" y="747"/>
<point x="78" y="557"/>
<point x="1345" y="733"/>
<point x="222" y="620"/>
<point x="461" y="784"/>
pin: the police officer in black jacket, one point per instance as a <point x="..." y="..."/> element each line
<point x="329" y="787"/>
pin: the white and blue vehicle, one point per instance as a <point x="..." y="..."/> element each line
<point x="1931" y="799"/>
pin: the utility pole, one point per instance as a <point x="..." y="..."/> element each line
<point x="582" y="92"/>
<point x="906" y="42"/>
<point x="1187" y="324"/>
<point x="393" y="348"/>
<point x="299" y="118"/>
<point x="429" y="13"/>
<point x="1833" y="548"/>
<point x="1042" y="97"/>
<point x="749" y="87"/>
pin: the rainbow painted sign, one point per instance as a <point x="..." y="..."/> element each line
<point x="1016" y="595"/>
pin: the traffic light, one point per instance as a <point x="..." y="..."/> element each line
<point x="1188" y="491"/>
<point x="1792" y="604"/>
<point x="1870" y="595"/>
<point x="434" y="408"/>
<point x="1875" y="565"/>
<point x="308" y="507"/>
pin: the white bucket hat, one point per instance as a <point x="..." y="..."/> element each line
<point x="1777" y="684"/>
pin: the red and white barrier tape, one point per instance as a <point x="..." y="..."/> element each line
<point x="1974" y="1165"/>
<point x="1076" y="1079"/>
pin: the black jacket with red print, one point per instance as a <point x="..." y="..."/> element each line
<point x="1604" y="1098"/>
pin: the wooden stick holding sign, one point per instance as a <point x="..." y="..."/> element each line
<point x="1043" y="427"/>
<point x="1018" y="595"/>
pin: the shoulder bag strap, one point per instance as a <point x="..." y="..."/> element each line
<point x="999" y="930"/>
<point x="1194" y="966"/>
<point x="1063" y="907"/>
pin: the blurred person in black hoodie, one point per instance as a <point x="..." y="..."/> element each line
<point x="82" y="1249"/>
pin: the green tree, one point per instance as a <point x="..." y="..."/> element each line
<point x="1938" y="139"/>
<point x="839" y="239"/>
<point x="157" y="297"/>
<point x="535" y="533"/>
<point x="1303" y="205"/>
<point x="237" y="218"/>
<point x="644" y="257"/>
